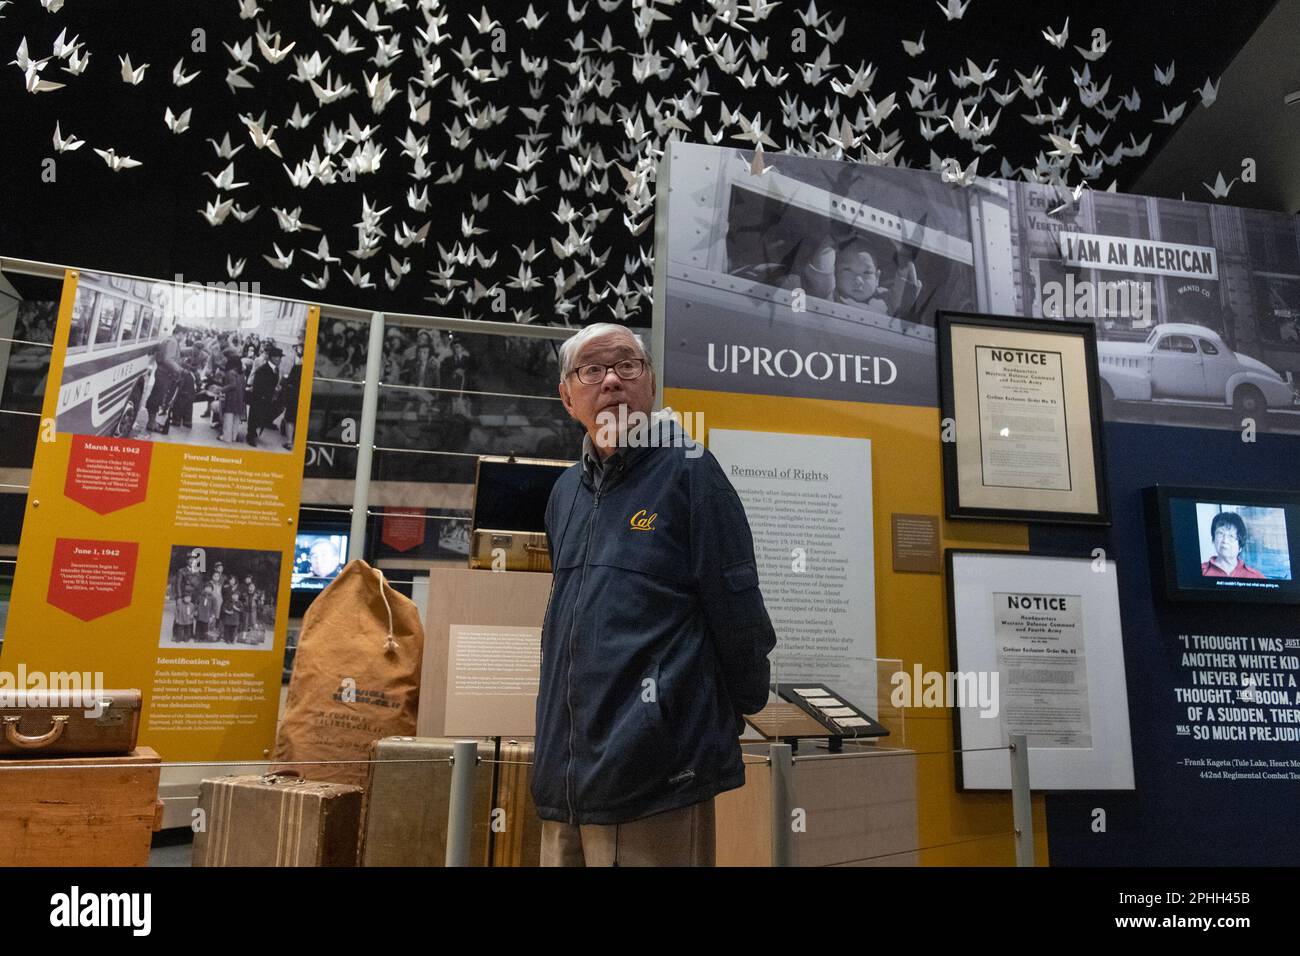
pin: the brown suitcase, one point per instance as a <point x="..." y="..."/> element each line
<point x="517" y="840"/>
<point x="508" y="525"/>
<point x="508" y="550"/>
<point x="277" y="819"/>
<point x="52" y="723"/>
<point x="407" y="798"/>
<point x="79" y="811"/>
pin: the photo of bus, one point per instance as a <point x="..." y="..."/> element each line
<point x="117" y="323"/>
<point x="212" y="364"/>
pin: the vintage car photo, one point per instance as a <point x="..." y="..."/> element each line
<point x="1190" y="364"/>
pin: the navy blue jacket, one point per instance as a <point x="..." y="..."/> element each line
<point x="655" y="640"/>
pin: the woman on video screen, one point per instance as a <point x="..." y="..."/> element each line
<point x="1228" y="532"/>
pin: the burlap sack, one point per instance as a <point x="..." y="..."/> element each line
<point x="356" y="676"/>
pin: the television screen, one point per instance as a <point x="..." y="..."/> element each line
<point x="1221" y="545"/>
<point x="512" y="495"/>
<point x="318" y="556"/>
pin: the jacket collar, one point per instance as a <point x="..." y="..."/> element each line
<point x="622" y="459"/>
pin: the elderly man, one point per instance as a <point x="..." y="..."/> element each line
<point x="323" y="560"/>
<point x="656" y="638"/>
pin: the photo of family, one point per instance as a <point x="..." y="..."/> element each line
<point x="222" y="596"/>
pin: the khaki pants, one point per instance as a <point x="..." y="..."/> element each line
<point x="683" y="837"/>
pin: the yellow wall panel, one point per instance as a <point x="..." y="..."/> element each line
<point x="911" y="609"/>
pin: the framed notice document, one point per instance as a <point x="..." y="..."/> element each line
<point x="1036" y="650"/>
<point x="1021" y="419"/>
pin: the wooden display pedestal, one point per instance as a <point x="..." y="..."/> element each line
<point x="79" y="811"/>
<point x="860" y="809"/>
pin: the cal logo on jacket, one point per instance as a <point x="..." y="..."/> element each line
<point x="642" y="521"/>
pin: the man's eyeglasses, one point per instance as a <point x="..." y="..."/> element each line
<point x="627" y="370"/>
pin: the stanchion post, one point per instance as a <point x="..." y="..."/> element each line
<point x="460" y="822"/>
<point x="781" y="766"/>
<point x="366" y="439"/>
<point x="1022" y="809"/>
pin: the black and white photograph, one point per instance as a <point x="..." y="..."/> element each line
<point x="854" y="259"/>
<point x="1197" y="306"/>
<point x="182" y="364"/>
<point x="459" y="394"/>
<point x="222" y="597"/>
<point x="26" y="340"/>
<point x="826" y="258"/>
<point x="22" y="375"/>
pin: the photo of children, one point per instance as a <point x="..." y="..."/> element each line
<point x="814" y="258"/>
<point x="847" y="273"/>
<point x="223" y="596"/>
<point x="847" y="270"/>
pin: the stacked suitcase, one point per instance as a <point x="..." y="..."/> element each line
<point x="276" y="819"/>
<point x="76" y="789"/>
<point x="508" y="527"/>
<point x="407" y="803"/>
<point x="55" y="724"/>
<point x="399" y="819"/>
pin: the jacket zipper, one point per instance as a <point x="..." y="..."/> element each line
<point x="577" y="604"/>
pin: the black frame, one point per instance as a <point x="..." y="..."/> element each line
<point x="945" y="319"/>
<point x="874" y="727"/>
<point x="1161" y="536"/>
<point x="300" y="598"/>
<point x="950" y="603"/>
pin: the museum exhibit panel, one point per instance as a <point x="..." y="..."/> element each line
<point x="963" y="474"/>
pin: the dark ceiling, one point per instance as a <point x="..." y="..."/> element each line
<point x="1254" y="126"/>
<point x="145" y="221"/>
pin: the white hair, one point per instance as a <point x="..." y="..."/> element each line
<point x="573" y="345"/>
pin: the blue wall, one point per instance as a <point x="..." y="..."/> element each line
<point x="1174" y="817"/>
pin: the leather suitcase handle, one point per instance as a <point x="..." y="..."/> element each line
<point x="282" y="776"/>
<point x="19" y="739"/>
